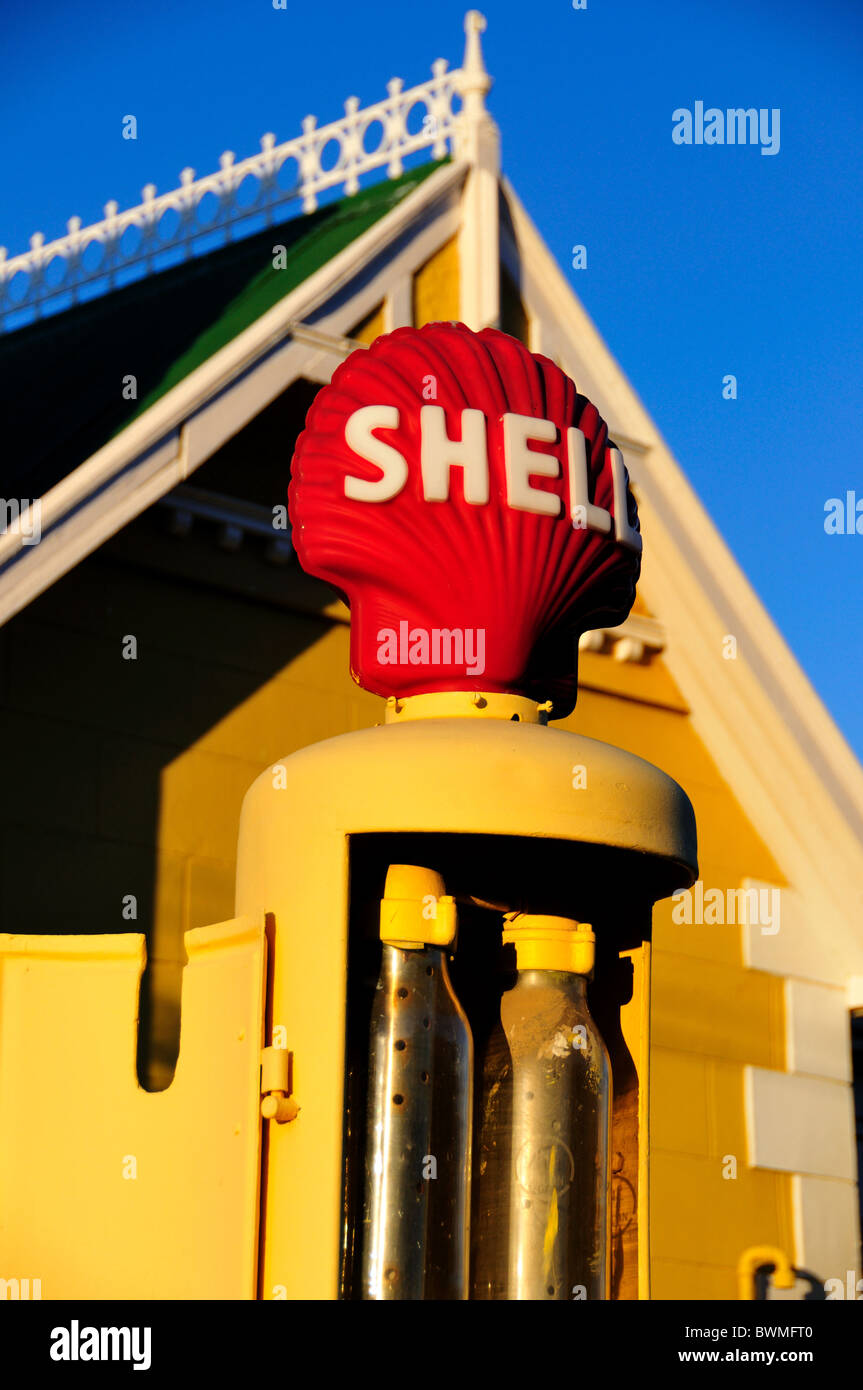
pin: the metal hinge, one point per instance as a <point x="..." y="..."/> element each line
<point x="277" y="1103"/>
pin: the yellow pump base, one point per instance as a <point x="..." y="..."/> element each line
<point x="442" y="771"/>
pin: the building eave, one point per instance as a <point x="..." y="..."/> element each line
<point x="165" y="444"/>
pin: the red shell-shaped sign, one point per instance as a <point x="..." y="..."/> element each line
<point x="468" y="504"/>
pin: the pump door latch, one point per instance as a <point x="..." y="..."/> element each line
<point x="277" y="1103"/>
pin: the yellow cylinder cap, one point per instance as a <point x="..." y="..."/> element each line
<point x="550" y="943"/>
<point x="415" y="909"/>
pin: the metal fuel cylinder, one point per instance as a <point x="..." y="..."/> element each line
<point x="541" y="1214"/>
<point x="416" y="1211"/>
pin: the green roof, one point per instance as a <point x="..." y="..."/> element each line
<point x="62" y="377"/>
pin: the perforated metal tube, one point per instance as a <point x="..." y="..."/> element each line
<point x="418" y="1148"/>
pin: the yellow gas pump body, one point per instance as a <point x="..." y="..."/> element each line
<point x="458" y="764"/>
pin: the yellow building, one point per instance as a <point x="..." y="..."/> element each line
<point x="160" y="647"/>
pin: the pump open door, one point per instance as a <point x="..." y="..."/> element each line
<point x="107" y="1190"/>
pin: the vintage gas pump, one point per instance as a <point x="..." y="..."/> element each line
<point x="460" y="899"/>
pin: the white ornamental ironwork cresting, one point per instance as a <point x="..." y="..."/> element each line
<point x="136" y="238"/>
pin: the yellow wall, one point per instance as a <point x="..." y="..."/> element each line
<point x="202" y="789"/>
<point x="436" y="287"/>
<point x="129" y="775"/>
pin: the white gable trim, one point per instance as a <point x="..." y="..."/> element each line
<point x="188" y="424"/>
<point x="761" y="720"/>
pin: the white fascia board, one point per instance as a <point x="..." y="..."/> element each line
<point x="768" y="731"/>
<point x="102" y="481"/>
<point x="76" y="536"/>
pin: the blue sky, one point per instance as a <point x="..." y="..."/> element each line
<point x="702" y="261"/>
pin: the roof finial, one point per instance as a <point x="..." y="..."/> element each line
<point x="473" y="67"/>
<point x="477" y="143"/>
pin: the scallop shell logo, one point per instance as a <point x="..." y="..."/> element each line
<point x="468" y="504"/>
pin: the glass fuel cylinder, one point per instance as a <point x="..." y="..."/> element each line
<point x="541" y="1214"/>
<point x="416" y="1211"/>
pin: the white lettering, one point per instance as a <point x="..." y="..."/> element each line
<point x="439" y="454"/>
<point x="620" y="481"/>
<point x="584" y="515"/>
<point x="359" y="438"/>
<point x="521" y="462"/>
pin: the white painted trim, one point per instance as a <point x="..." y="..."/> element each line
<point x="818" y="1031"/>
<point x="147" y="255"/>
<point x="799" y="1124"/>
<point x="648" y="631"/>
<point x="628" y="641"/>
<point x="217" y="398"/>
<point x="826" y="1220"/>
<point x="477" y="142"/>
<point x="73" y="539"/>
<point x="399" y="304"/>
<point x="479" y="283"/>
<point x="798" y="949"/>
